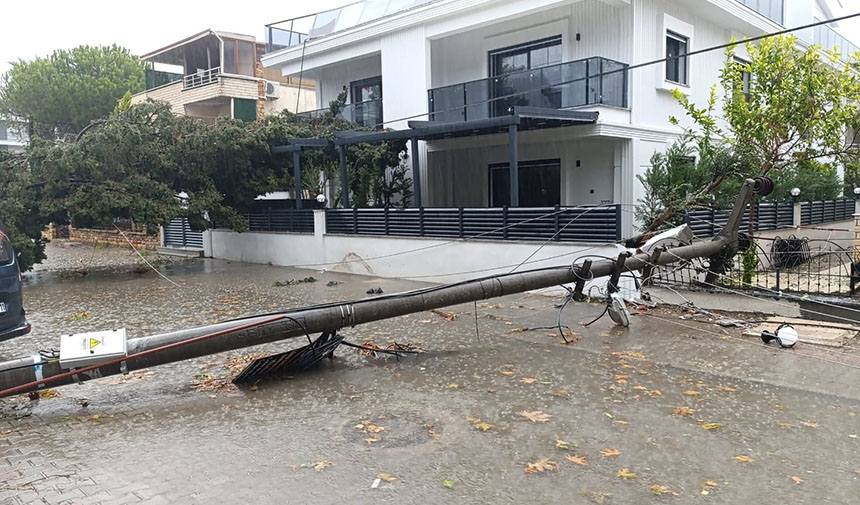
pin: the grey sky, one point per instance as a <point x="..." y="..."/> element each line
<point x="33" y="28"/>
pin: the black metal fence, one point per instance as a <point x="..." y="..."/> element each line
<point x="784" y="265"/>
<point x="282" y="220"/>
<point x="825" y="211"/>
<point x="768" y="216"/>
<point x="580" y="224"/>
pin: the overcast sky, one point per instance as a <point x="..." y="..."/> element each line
<point x="30" y="28"/>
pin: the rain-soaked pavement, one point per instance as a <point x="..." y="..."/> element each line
<point x="632" y="416"/>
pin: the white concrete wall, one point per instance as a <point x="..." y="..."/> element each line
<point x="432" y="260"/>
<point x="330" y="80"/>
<point x="464" y="56"/>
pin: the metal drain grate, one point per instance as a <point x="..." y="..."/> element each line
<point x="290" y="361"/>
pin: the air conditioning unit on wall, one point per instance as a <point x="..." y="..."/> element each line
<point x="273" y="89"/>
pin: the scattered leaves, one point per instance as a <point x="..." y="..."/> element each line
<point x="483" y="426"/>
<point x="507" y="372"/>
<point x="661" y="490"/>
<point x="683" y="411"/>
<point x="48" y="393"/>
<point x="625" y="473"/>
<point x="712" y="426"/>
<point x="810" y="424"/>
<point x="535" y="416"/>
<point x="448" y="483"/>
<point x="727" y="389"/>
<point x="561" y="393"/>
<point x="386" y="477"/>
<point x="579" y="460"/>
<point x="610" y="452"/>
<point x="373" y="439"/>
<point x="796" y="479"/>
<point x="369" y="427"/>
<point x="528" y="380"/>
<point x="543" y="465"/>
<point x="692" y="393"/>
<point x="561" y="444"/>
<point x="319" y="466"/>
<point x="743" y="458"/>
<point x="453" y="386"/>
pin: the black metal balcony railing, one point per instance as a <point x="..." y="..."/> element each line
<point x="367" y="114"/>
<point x="771" y="9"/>
<point x="600" y="224"/>
<point x="572" y="84"/>
<point x="201" y="78"/>
<point x="828" y="39"/>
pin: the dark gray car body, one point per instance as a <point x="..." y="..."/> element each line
<point x="13" y="321"/>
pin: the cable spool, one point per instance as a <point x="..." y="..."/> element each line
<point x="763" y="186"/>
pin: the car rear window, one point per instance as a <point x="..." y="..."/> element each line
<point x="6" y="253"/>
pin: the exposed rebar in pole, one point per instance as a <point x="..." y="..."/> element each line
<point x="243" y="333"/>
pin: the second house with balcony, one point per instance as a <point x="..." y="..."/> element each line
<point x="215" y="74"/>
<point x="525" y="103"/>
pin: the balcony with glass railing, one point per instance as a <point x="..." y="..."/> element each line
<point x="367" y="114"/>
<point x="828" y="39"/>
<point x="771" y="9"/>
<point x="591" y="81"/>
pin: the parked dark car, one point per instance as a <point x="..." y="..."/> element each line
<point x="13" y="322"/>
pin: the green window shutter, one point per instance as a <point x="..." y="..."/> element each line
<point x="244" y="109"/>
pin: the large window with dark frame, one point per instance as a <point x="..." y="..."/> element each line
<point x="539" y="183"/>
<point x="366" y="97"/>
<point x="745" y="76"/>
<point x="676" y="63"/>
<point x="510" y="67"/>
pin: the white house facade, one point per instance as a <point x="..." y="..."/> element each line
<point x="585" y="125"/>
<point x="13" y="136"/>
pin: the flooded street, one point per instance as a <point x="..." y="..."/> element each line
<point x="668" y="410"/>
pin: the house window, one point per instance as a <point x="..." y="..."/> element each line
<point x="745" y="77"/>
<point x="539" y="183"/>
<point x="676" y="63"/>
<point x="239" y="57"/>
<point x="367" y="101"/>
<point x="510" y="68"/>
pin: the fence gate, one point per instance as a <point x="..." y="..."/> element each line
<point x="179" y="234"/>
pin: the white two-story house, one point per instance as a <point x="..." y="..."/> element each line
<point x="532" y="91"/>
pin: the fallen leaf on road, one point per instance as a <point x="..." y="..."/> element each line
<point x="692" y="393"/>
<point x="483" y="426"/>
<point x="319" y="466"/>
<point x="48" y="393"/>
<point x="448" y="483"/>
<point x="661" y="490"/>
<point x="743" y="459"/>
<point x="561" y="393"/>
<point x="386" y="477"/>
<point x="683" y="411"/>
<point x="624" y="473"/>
<point x="796" y="479"/>
<point x="655" y="392"/>
<point x="369" y="427"/>
<point x="561" y="444"/>
<point x="528" y="380"/>
<point x="5" y="432"/>
<point x="810" y="424"/>
<point x="608" y="415"/>
<point x="519" y="330"/>
<point x="712" y="426"/>
<point x="453" y="386"/>
<point x="619" y="421"/>
<point x="507" y="372"/>
<point x="786" y="425"/>
<point x="543" y="465"/>
<point x="610" y="452"/>
<point x="535" y="416"/>
<point x="371" y="440"/>
<point x="579" y="460"/>
<point x="727" y="389"/>
<point x="640" y="388"/>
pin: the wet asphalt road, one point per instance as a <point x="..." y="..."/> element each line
<point x="784" y="424"/>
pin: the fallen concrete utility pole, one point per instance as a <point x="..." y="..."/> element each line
<point x="31" y="372"/>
